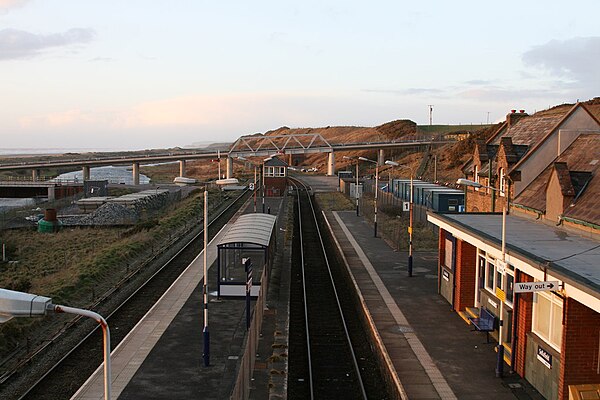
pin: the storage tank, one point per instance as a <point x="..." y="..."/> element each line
<point x="49" y="224"/>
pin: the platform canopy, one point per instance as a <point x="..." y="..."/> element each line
<point x="253" y="229"/>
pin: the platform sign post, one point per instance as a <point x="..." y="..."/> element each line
<point x="248" y="266"/>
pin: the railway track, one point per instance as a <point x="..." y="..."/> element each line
<point x="329" y="352"/>
<point x="62" y="378"/>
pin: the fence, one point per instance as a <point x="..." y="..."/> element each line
<point x="385" y="199"/>
<point x="241" y="389"/>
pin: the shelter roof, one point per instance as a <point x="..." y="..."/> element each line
<point x="255" y="228"/>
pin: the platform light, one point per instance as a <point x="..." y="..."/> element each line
<point x="410" y="213"/>
<point x="19" y="304"/>
<point x="376" y="190"/>
<point x="356" y="187"/>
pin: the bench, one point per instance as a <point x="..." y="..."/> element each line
<point x="485" y="323"/>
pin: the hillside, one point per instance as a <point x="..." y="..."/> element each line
<point x="448" y="158"/>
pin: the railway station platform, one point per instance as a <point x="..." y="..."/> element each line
<point x="433" y="352"/>
<point x="161" y="358"/>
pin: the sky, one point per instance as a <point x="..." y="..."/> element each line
<point x="140" y="74"/>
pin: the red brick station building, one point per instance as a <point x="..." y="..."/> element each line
<point x="543" y="169"/>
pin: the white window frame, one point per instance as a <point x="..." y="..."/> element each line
<point x="503" y="284"/>
<point x="509" y="272"/>
<point x="476" y="176"/>
<point x="552" y="319"/>
<point x="274" y="172"/>
<point x="502" y="182"/>
<point x="490" y="261"/>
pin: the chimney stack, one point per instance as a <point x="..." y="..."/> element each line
<point x="514" y="116"/>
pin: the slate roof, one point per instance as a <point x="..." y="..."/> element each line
<point x="529" y="130"/>
<point x="582" y="158"/>
<point x="276" y="162"/>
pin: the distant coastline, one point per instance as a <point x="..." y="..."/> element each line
<point x="23" y="151"/>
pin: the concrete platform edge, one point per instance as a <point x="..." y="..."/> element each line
<point x="392" y="375"/>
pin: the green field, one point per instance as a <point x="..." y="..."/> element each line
<point x="450" y="128"/>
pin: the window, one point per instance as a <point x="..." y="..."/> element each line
<point x="502" y="182"/>
<point x="275" y="171"/>
<point x="510" y="288"/>
<point x="489" y="273"/>
<point x="547" y="318"/>
<point x="448" y="253"/>
<point x="476" y="175"/>
<point x="499" y="280"/>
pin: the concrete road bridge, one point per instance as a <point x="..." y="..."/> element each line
<point x="245" y="146"/>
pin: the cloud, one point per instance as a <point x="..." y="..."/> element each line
<point x="577" y="59"/>
<point x="16" y="44"/>
<point x="59" y="119"/>
<point x="478" y="82"/>
<point x="409" y="91"/>
<point x="7" y="5"/>
<point x="102" y="59"/>
<point x="508" y="94"/>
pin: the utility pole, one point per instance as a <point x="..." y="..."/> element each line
<point x="488" y="117"/>
<point x="430" y="114"/>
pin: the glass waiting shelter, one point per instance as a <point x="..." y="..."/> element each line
<point x="251" y="236"/>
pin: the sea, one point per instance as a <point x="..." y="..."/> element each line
<point x="113" y="174"/>
<point x="21" y="151"/>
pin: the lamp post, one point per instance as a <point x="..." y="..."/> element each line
<point x="356" y="185"/>
<point x="500" y="361"/>
<point x="410" y="216"/>
<point x="255" y="167"/>
<point x="263" y="181"/>
<point x="19" y="304"/>
<point x="205" y="333"/>
<point x="376" y="190"/>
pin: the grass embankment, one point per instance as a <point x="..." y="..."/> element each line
<point x="76" y="266"/>
<point x="334" y="201"/>
<point x="450" y="128"/>
<point x="66" y="265"/>
<point x="161" y="173"/>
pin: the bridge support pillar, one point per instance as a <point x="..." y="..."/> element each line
<point x="51" y="193"/>
<point x="136" y="173"/>
<point x="85" y="173"/>
<point x="181" y="167"/>
<point x="381" y="157"/>
<point x="35" y="175"/>
<point x="229" y="168"/>
<point x="331" y="164"/>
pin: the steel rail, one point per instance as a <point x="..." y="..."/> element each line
<point x="119" y="306"/>
<point x="296" y="184"/>
<point x="310" y="376"/>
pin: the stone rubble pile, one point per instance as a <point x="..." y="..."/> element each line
<point x="105" y="215"/>
<point x="124" y="210"/>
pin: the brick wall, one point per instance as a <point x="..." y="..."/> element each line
<point x="579" y="346"/>
<point x="466" y="260"/>
<point x="275" y="185"/>
<point x="525" y="308"/>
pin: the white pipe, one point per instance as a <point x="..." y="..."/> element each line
<point x="106" y="334"/>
